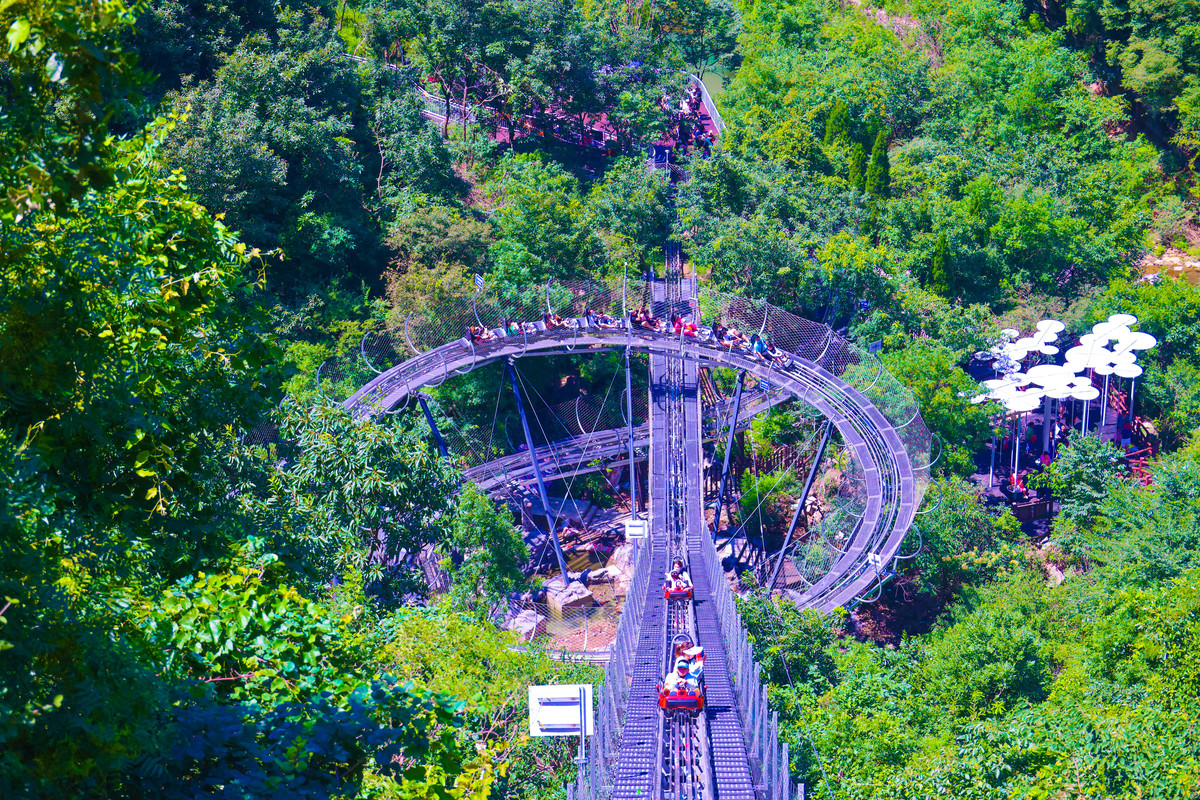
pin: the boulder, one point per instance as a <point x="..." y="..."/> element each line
<point x="528" y="625"/>
<point x="620" y="568"/>
<point x="576" y="595"/>
<point x="601" y="575"/>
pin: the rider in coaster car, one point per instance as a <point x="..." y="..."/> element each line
<point x="679" y="326"/>
<point x="680" y="680"/>
<point x="695" y="656"/>
<point x="601" y="319"/>
<point x="479" y="334"/>
<point x="678" y="574"/>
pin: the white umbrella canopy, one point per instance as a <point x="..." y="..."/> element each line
<point x="1134" y="340"/>
<point x="1110" y="330"/>
<point x="1050" y="327"/>
<point x="1081" y="357"/>
<point x="1127" y="370"/>
<point x="1061" y="392"/>
<point x="1050" y="375"/>
<point x="1012" y="379"/>
<point x="1023" y="401"/>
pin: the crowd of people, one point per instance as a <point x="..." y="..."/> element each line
<point x="687" y="123"/>
<point x="762" y="348"/>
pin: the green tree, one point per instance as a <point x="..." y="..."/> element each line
<point x="957" y="543"/>
<point x="792" y="644"/>
<point x="543" y="225"/>
<point x="371" y="492"/>
<point x="704" y="31"/>
<point x="939" y="279"/>
<point x="837" y="124"/>
<point x="486" y="554"/>
<point x="944" y="393"/>
<point x="858" y="167"/>
<point x="633" y="204"/>
<point x="1083" y="475"/>
<point x="878" y="180"/>
<point x="1174" y="393"/>
<point x="267" y="142"/>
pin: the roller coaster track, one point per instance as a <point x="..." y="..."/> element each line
<point x="891" y="483"/>
<point x="731" y="750"/>
<point x="589" y="452"/>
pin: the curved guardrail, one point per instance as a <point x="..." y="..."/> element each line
<point x="590" y="452"/>
<point x="884" y="482"/>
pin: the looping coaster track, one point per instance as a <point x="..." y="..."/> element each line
<point x="731" y="750"/>
<point x="878" y="422"/>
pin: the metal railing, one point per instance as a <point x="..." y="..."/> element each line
<point x="760" y="725"/>
<point x="599" y="761"/>
<point x="709" y="104"/>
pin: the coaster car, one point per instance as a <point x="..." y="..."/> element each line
<point x="681" y="699"/>
<point x="677" y="592"/>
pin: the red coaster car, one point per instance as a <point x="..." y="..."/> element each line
<point x="677" y="593"/>
<point x="680" y="700"/>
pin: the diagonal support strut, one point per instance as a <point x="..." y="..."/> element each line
<point x="733" y="418"/>
<point x="537" y="474"/>
<point x="812" y="476"/>
<point x="437" y="434"/>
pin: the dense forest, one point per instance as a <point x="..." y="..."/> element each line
<point x="203" y="200"/>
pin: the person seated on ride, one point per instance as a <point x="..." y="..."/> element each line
<point x="695" y="657"/>
<point x="512" y="327"/>
<point x="480" y="335"/>
<point x="677" y="589"/>
<point x="600" y="319"/>
<point x="649" y="321"/>
<point x="553" y="321"/>
<point x="758" y="346"/>
<point x="680" y="680"/>
<point x="679" y="572"/>
<point x="683" y="328"/>
<point x="735" y="338"/>
<point x="718" y="332"/>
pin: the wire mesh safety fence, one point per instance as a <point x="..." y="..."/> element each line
<point x="760" y="725"/>
<point x="883" y="463"/>
<point x="437" y="334"/>
<point x="595" y="778"/>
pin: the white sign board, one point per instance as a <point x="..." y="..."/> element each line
<point x="560" y="710"/>
<point x="636" y="530"/>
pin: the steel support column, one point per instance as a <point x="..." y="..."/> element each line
<point x="437" y="434"/>
<point x="537" y="474"/>
<point x="737" y="407"/>
<point x="633" y="492"/>
<point x="812" y="476"/>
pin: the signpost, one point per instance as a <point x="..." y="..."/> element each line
<point x="636" y="530"/>
<point x="564" y="710"/>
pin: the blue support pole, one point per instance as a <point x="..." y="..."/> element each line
<point x="437" y="434"/>
<point x="812" y="476"/>
<point x="633" y="487"/>
<point x="537" y="474"/>
<point x="737" y="407"/>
